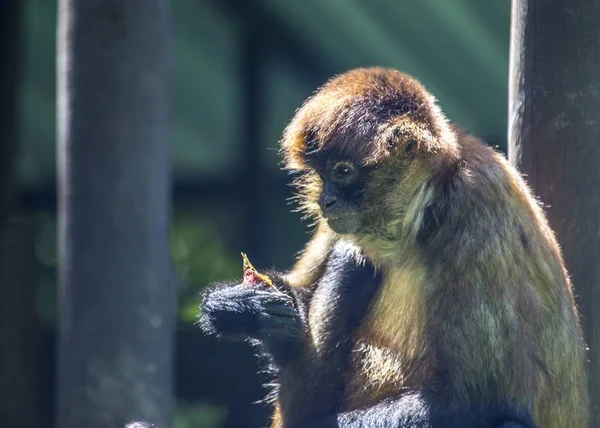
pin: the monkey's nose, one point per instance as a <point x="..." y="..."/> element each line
<point x="327" y="201"/>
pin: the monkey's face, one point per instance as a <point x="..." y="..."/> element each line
<point x="338" y="193"/>
<point x="363" y="199"/>
<point x="356" y="196"/>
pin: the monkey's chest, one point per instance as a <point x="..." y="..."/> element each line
<point x="375" y="337"/>
<point x="389" y="352"/>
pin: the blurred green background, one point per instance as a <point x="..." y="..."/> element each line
<point x="242" y="68"/>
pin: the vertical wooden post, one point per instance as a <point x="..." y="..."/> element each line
<point x="116" y="297"/>
<point x="554" y="138"/>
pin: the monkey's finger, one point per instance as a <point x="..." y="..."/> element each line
<point x="274" y="297"/>
<point x="279" y="309"/>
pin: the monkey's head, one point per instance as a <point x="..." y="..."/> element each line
<point x="366" y="146"/>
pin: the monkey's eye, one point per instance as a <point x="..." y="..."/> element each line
<point x="343" y="170"/>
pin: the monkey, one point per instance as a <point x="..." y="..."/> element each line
<point x="432" y="293"/>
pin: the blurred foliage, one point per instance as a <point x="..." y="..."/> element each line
<point x="198" y="252"/>
<point x="200" y="258"/>
<point x="194" y="415"/>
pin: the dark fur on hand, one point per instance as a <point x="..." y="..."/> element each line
<point x="266" y="315"/>
<point x="140" y="425"/>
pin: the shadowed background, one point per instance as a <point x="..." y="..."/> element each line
<point x="241" y="69"/>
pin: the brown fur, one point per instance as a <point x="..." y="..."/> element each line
<point x="484" y="306"/>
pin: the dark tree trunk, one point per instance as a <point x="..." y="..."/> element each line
<point x="10" y="46"/>
<point x="554" y="138"/>
<point x="116" y="294"/>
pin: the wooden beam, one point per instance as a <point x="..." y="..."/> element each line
<point x="554" y="138"/>
<point x="116" y="296"/>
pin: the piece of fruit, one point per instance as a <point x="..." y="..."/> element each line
<point x="252" y="278"/>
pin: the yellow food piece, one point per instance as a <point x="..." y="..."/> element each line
<point x="248" y="265"/>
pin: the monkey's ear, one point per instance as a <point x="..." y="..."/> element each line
<point x="402" y="140"/>
<point x="410" y="146"/>
<point x="405" y="137"/>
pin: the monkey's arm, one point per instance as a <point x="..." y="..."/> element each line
<point x="309" y="268"/>
<point x="278" y="320"/>
<point x="420" y="410"/>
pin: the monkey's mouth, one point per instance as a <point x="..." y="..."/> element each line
<point x="343" y="224"/>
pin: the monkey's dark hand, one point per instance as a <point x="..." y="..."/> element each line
<point x="242" y="312"/>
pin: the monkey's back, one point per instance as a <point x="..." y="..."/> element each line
<point x="481" y="307"/>
<point x="482" y="303"/>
